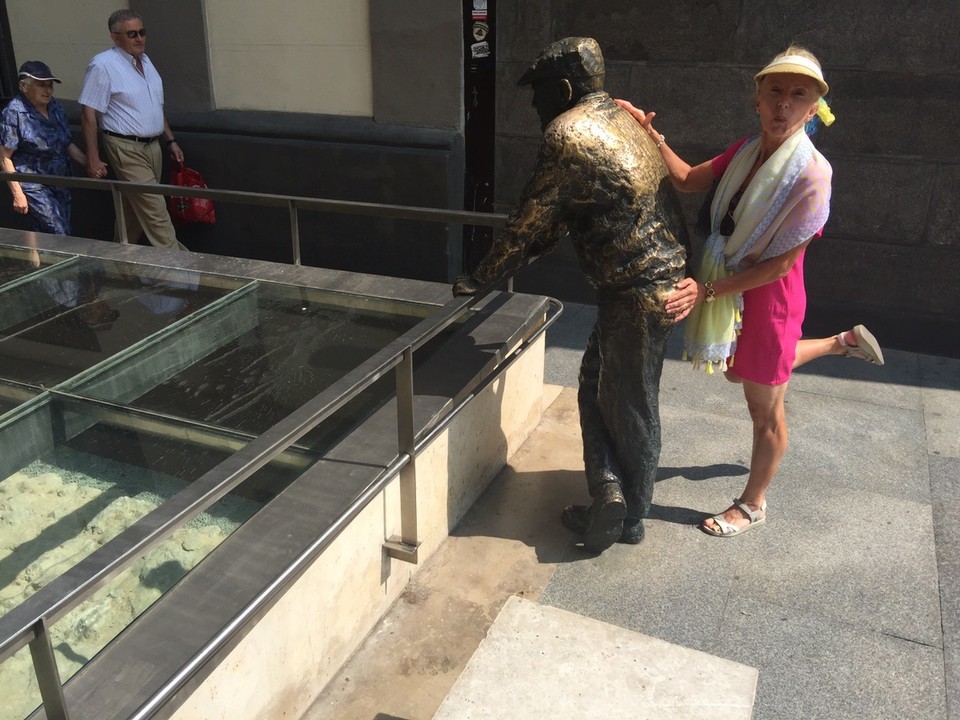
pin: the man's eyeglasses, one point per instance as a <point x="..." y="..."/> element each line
<point x="132" y="34"/>
<point x="728" y="224"/>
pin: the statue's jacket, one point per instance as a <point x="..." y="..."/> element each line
<point x="599" y="178"/>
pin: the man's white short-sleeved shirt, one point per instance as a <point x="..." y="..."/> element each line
<point x="126" y="101"/>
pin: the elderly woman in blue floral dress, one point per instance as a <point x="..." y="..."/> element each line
<point x="35" y="138"/>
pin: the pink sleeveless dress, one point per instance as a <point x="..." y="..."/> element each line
<point x="772" y="316"/>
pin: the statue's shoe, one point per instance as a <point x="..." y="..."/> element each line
<point x="604" y="518"/>
<point x="633" y="531"/>
<point x="575" y="517"/>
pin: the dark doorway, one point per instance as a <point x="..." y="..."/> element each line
<point x="8" y="63"/>
<point x="479" y="63"/>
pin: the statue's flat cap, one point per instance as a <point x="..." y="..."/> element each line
<point x="572" y="57"/>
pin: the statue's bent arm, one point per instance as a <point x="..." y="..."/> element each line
<point x="535" y="227"/>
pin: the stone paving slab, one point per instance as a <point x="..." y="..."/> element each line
<point x="855" y="557"/>
<point x="940" y="379"/>
<point x="945" y="488"/>
<point x="950" y="608"/>
<point x="667" y="587"/>
<point x="813" y="667"/>
<point x="896" y="384"/>
<point x="857" y="445"/>
<point x="541" y="662"/>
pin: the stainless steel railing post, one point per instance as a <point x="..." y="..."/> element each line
<point x="48" y="676"/>
<point x="294" y="230"/>
<point x="406" y="545"/>
<point x="118" y="209"/>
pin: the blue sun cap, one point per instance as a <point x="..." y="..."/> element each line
<point x="36" y="70"/>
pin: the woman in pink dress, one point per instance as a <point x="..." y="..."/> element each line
<point x="745" y="307"/>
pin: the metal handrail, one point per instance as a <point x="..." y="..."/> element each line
<point x="293" y="202"/>
<point x="348" y="207"/>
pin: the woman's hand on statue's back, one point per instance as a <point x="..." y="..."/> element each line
<point x="682" y="300"/>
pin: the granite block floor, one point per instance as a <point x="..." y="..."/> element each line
<point x="846" y="603"/>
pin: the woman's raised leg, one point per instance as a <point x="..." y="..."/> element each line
<point x="858" y="342"/>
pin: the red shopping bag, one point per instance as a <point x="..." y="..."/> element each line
<point x="185" y="210"/>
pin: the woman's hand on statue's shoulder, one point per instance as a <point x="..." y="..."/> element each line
<point x="638" y="114"/>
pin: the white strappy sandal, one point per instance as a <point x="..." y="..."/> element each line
<point x="756" y="517"/>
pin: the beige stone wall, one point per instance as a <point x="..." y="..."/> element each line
<point x="65" y="34"/>
<point x="297" y="56"/>
<point x="300" y="56"/>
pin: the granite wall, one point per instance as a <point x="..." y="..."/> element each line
<point x="890" y="254"/>
<point x="314" y="156"/>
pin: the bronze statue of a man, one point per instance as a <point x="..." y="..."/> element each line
<point x="600" y="179"/>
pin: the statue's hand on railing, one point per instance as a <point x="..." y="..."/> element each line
<point x="465" y="285"/>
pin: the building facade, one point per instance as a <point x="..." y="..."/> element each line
<point x="366" y="101"/>
<point x="890" y="254"/>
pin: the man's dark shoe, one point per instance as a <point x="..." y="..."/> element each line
<point x="633" y="531"/>
<point x="605" y="522"/>
<point x="575" y="517"/>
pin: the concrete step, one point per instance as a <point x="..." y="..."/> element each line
<point x="542" y="662"/>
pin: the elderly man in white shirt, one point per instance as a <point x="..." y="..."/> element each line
<point x="122" y="94"/>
